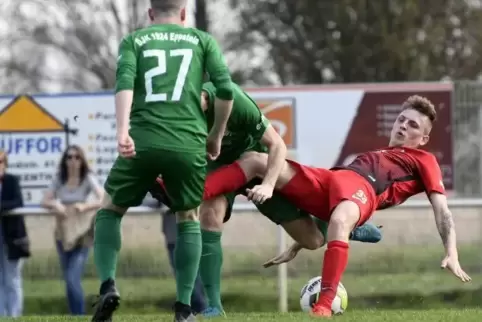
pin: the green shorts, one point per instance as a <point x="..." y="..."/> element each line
<point x="277" y="209"/>
<point x="183" y="173"/>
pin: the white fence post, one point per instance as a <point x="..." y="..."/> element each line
<point x="282" y="273"/>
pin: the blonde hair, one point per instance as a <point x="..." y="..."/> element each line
<point x="4" y="156"/>
<point x="423" y="105"/>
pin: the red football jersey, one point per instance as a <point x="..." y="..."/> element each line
<point x="398" y="173"/>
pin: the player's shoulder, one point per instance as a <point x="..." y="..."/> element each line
<point x="133" y="35"/>
<point x="204" y="37"/>
<point x="207" y="86"/>
<point x="136" y="33"/>
<point x="200" y="33"/>
<point x="423" y="155"/>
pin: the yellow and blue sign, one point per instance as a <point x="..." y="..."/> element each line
<point x="27" y="128"/>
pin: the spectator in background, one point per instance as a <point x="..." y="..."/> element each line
<point x="67" y="198"/>
<point x="14" y="244"/>
<point x="198" y="301"/>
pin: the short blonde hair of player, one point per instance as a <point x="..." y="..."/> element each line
<point x="422" y="105"/>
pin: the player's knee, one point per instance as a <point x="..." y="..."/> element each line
<point x="254" y="163"/>
<point x="313" y="243"/>
<point x="187" y="215"/>
<point x="344" y="218"/>
<point x="305" y="233"/>
<point x="212" y="214"/>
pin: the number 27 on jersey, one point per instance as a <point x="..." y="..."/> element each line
<point x="161" y="69"/>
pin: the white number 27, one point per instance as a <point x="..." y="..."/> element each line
<point x="161" y="69"/>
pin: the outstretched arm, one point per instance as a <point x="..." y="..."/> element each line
<point x="284" y="257"/>
<point x="446" y="227"/>
<point x="445" y="223"/>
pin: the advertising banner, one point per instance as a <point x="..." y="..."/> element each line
<point x="322" y="126"/>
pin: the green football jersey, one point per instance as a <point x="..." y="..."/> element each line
<point x="245" y="128"/>
<point x="165" y="66"/>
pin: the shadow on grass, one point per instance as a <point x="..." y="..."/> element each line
<point x="253" y="303"/>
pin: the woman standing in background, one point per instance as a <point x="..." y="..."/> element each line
<point x="67" y="198"/>
<point x="14" y="244"/>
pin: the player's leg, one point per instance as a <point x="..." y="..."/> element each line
<point x="308" y="231"/>
<point x="125" y="187"/>
<point x="184" y="182"/>
<point x="223" y="180"/>
<point x="254" y="164"/>
<point x="281" y="208"/>
<point x="214" y="213"/>
<point x="298" y="224"/>
<point x="352" y="202"/>
<point x="343" y="220"/>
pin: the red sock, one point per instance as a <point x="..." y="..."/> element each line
<point x="226" y="179"/>
<point x="334" y="264"/>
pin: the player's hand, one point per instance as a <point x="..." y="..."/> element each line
<point x="214" y="145"/>
<point x="452" y="264"/>
<point x="125" y="146"/>
<point x="80" y="207"/>
<point x="60" y="210"/>
<point x="284" y="257"/>
<point x="260" y="193"/>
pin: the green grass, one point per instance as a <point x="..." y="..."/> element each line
<point x="377" y="277"/>
<point x="442" y="315"/>
<point x="373" y="284"/>
<point x="153" y="262"/>
<point x="437" y="289"/>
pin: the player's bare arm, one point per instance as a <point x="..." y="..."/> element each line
<point x="222" y="110"/>
<point x="123" y="103"/>
<point x="223" y="103"/>
<point x="125" y="77"/>
<point x="446" y="227"/>
<point x="276" y="159"/>
<point x="255" y="164"/>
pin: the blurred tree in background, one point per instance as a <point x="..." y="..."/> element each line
<point x="71" y="45"/>
<point x="81" y="36"/>
<point x="76" y="39"/>
<point x="312" y="42"/>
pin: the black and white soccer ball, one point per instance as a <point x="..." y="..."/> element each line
<point x="311" y="292"/>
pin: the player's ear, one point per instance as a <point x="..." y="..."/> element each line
<point x="425" y="140"/>
<point x="150" y="13"/>
<point x="183" y="15"/>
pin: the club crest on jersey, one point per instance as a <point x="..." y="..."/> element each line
<point x="360" y="195"/>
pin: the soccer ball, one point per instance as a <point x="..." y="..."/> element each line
<point x="311" y="291"/>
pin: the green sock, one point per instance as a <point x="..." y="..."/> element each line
<point x="210" y="267"/>
<point x="186" y="259"/>
<point x="107" y="243"/>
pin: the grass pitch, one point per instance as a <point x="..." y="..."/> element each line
<point x="449" y="315"/>
<point x="251" y="298"/>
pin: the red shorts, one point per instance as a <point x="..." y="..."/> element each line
<point x="318" y="191"/>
